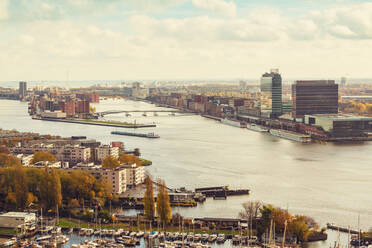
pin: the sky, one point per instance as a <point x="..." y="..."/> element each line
<point x="184" y="39"/>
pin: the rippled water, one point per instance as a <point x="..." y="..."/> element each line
<point x="331" y="183"/>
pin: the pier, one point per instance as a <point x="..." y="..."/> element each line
<point x="96" y="123"/>
<point x="341" y="229"/>
<point x="110" y="112"/>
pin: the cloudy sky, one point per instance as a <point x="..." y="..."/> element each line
<point x="184" y="39"/>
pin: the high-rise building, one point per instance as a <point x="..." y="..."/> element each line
<point x="343" y="81"/>
<point x="271" y="94"/>
<point x="314" y="97"/>
<point x="22" y="89"/>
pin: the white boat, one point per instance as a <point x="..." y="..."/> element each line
<point x="212" y="238"/>
<point x="303" y="138"/>
<point x="221" y="238"/>
<point x="234" y="123"/>
<point x="140" y="234"/>
<point x="205" y="237"/>
<point x="257" y="128"/>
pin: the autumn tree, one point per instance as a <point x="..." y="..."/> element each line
<point x="148" y="200"/>
<point x="129" y="158"/>
<point x="50" y="190"/>
<point x="299" y="228"/>
<point x="20" y="188"/>
<point x="163" y="208"/>
<point x="7" y="160"/>
<point x="110" y="162"/>
<point x="4" y="149"/>
<point x="43" y="156"/>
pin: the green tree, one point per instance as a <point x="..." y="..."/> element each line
<point x="148" y="200"/>
<point x="110" y="162"/>
<point x="43" y="156"/>
<point x="299" y="228"/>
<point x="163" y="208"/>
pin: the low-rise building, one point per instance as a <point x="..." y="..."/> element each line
<point x="17" y="220"/>
<point x="341" y="126"/>
<point x="65" y="153"/>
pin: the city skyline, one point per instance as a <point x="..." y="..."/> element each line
<point x="183" y="39"/>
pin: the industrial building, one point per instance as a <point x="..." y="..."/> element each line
<point x="271" y="94"/>
<point x="17" y="220"/>
<point x="22" y="90"/>
<point x="314" y="97"/>
<point x="341" y="126"/>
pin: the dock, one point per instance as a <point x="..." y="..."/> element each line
<point x="85" y="122"/>
<point x="220" y="192"/>
<point x="341" y="229"/>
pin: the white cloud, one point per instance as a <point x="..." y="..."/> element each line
<point x="3" y="9"/>
<point x="219" y="7"/>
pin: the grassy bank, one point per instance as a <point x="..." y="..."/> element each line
<point x="7" y="231"/>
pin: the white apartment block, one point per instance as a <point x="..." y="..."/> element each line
<point x="103" y="151"/>
<point x="115" y="178"/>
<point x="25" y="159"/>
<point x="135" y="174"/>
<point x="68" y="153"/>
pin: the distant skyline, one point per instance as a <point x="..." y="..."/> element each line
<point x="183" y="39"/>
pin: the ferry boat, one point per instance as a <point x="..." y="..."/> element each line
<point x="303" y="138"/>
<point x="257" y="128"/>
<point x="234" y="123"/>
<point x="142" y="135"/>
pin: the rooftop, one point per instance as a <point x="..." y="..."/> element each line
<point x="342" y="117"/>
<point x="18" y="214"/>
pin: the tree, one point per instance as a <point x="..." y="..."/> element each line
<point x="250" y="212"/>
<point x="163" y="208"/>
<point x="43" y="156"/>
<point x="148" y="200"/>
<point x="4" y="149"/>
<point x="20" y="188"/>
<point x="110" y="162"/>
<point x="129" y="158"/>
<point x="299" y="228"/>
<point x="7" y="160"/>
<point x="50" y="190"/>
<point x="266" y="212"/>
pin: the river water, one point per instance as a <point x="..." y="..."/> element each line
<point x="330" y="182"/>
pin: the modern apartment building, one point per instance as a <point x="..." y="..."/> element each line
<point x="67" y="153"/>
<point x="22" y="89"/>
<point x="314" y="97"/>
<point x="135" y="174"/>
<point x="103" y="151"/>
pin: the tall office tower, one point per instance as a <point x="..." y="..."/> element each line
<point x="271" y="94"/>
<point x="314" y="97"/>
<point x="22" y="89"/>
<point x="343" y="81"/>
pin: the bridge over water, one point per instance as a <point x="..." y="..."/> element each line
<point x="110" y="112"/>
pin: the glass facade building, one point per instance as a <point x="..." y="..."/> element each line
<point x="271" y="94"/>
<point x="314" y="97"/>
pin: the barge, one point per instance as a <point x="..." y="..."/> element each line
<point x="303" y="138"/>
<point x="142" y="135"/>
<point x="234" y="123"/>
<point x="257" y="128"/>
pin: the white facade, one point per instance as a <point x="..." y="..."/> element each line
<point x="103" y="151"/>
<point x="25" y="159"/>
<point x="17" y="219"/>
<point x="115" y="178"/>
<point x="68" y="153"/>
<point x="135" y="174"/>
